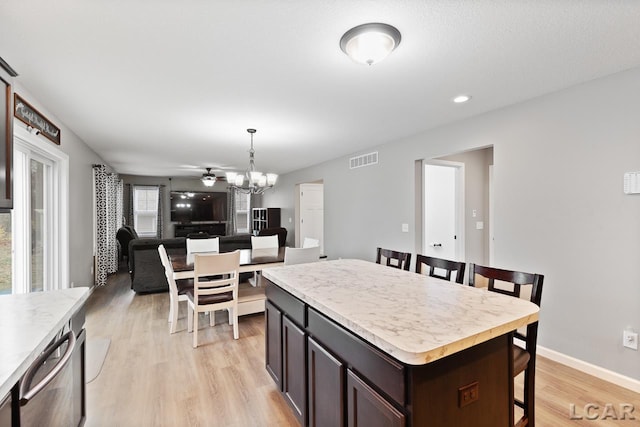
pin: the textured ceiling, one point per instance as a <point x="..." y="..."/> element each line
<point x="168" y="88"/>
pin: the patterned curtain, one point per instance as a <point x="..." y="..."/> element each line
<point x="161" y="212"/>
<point x="128" y="204"/>
<point x="232" y="227"/>
<point x="108" y="196"/>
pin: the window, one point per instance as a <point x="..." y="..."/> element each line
<point x="242" y="212"/>
<point x="145" y="210"/>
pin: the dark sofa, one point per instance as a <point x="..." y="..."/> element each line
<point x="146" y="270"/>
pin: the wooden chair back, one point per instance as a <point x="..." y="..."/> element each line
<point x="519" y="285"/>
<point x="264" y="242"/>
<point x="281" y="232"/>
<point x="301" y="255"/>
<point x="200" y="245"/>
<point x="215" y="288"/>
<point x="391" y="258"/>
<point x="448" y="266"/>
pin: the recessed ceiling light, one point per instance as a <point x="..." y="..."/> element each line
<point x="461" y="98"/>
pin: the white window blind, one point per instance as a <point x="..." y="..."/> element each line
<point x="242" y="212"/>
<point x="145" y="210"/>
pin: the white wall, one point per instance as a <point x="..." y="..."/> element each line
<point x="559" y="207"/>
<point x="81" y="159"/>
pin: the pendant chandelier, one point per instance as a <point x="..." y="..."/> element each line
<point x="256" y="182"/>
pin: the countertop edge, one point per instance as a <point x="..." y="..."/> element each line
<point x="407" y="357"/>
<point x="12" y="379"/>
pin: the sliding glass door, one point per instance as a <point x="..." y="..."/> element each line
<point x="38" y="218"/>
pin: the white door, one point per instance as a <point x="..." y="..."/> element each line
<point x="310" y="219"/>
<point x="443" y="232"/>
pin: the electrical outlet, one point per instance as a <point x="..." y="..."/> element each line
<point x="630" y="339"/>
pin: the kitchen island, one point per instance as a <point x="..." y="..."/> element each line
<point x="354" y="343"/>
<point x="29" y="323"/>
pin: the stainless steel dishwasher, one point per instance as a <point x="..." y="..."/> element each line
<point x="52" y="391"/>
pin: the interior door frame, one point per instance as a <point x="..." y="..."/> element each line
<point x="459" y="201"/>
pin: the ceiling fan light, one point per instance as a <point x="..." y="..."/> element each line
<point x="208" y="181"/>
<point x="370" y="43"/>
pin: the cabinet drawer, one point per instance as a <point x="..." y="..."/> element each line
<point x="380" y="370"/>
<point x="287" y="303"/>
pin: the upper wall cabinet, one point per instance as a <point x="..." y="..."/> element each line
<point x="6" y="136"/>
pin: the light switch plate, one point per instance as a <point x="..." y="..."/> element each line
<point x="479" y="225"/>
<point x="405" y="228"/>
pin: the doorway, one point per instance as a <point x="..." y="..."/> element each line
<point x="39" y="216"/>
<point x="309" y="213"/>
<point x="443" y="207"/>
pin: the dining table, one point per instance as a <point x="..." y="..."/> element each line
<point x="251" y="260"/>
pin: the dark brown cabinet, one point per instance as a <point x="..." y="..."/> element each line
<point x="326" y="387"/>
<point x="6" y="136"/>
<point x="273" y="343"/>
<point x="214" y="229"/>
<point x="294" y="385"/>
<point x="332" y="377"/>
<point x="366" y="408"/>
<point x="262" y="218"/>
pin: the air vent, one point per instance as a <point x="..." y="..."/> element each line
<point x="363" y="160"/>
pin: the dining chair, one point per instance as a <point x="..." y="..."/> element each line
<point x="310" y="242"/>
<point x="396" y="259"/>
<point x="440" y="267"/>
<point x="519" y="285"/>
<point x="203" y="245"/>
<point x="210" y="295"/>
<point x="301" y="255"/>
<point x="177" y="289"/>
<point x="281" y="232"/>
<point x="264" y="242"/>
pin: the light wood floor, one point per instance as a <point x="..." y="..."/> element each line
<point x="151" y="378"/>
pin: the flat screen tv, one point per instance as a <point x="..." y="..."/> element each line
<point x="189" y="206"/>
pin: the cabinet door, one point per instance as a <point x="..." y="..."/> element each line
<point x="6" y="144"/>
<point x="366" y="408"/>
<point x="273" y="342"/>
<point x="294" y="368"/>
<point x="326" y="387"/>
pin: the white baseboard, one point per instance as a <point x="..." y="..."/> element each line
<point x="597" y="371"/>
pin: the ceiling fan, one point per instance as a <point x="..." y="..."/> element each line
<point x="209" y="179"/>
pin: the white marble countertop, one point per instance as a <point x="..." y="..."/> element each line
<point x="28" y="322"/>
<point x="414" y="318"/>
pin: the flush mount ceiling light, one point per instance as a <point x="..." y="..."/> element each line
<point x="208" y="179"/>
<point x="461" y="99"/>
<point x="370" y="43"/>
